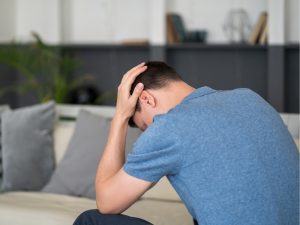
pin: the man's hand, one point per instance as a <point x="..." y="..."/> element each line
<point x="126" y="103"/>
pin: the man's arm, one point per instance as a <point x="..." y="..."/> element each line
<point x="115" y="189"/>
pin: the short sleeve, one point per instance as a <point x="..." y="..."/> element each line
<point x="154" y="155"/>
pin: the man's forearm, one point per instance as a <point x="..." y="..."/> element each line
<point x="114" y="153"/>
<point x="110" y="176"/>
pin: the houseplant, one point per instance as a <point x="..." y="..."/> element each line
<point x="46" y="73"/>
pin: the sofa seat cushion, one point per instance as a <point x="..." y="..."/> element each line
<point x="161" y="212"/>
<point x="30" y="208"/>
<point x="36" y="208"/>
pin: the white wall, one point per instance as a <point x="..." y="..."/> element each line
<point x="276" y="9"/>
<point x="112" y="21"/>
<point x="7" y="20"/>
<point x="95" y="21"/>
<point x="41" y="16"/>
<point x="90" y="21"/>
<point x="157" y="22"/>
<point x="292" y="21"/>
<point x="130" y="19"/>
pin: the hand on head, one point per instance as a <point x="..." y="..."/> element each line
<point x="126" y="102"/>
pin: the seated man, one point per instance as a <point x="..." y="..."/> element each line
<point x="228" y="154"/>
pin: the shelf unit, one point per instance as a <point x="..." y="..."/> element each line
<point x="218" y="66"/>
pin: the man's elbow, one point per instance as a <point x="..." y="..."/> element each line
<point x="104" y="210"/>
<point x="105" y="205"/>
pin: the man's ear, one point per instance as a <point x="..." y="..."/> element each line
<point x="147" y="99"/>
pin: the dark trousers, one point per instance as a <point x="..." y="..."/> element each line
<point x="94" y="217"/>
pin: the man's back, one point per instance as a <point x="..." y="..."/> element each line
<point x="227" y="154"/>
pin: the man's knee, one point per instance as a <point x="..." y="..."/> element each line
<point x="94" y="217"/>
<point x="88" y="217"/>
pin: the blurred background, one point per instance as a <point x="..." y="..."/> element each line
<point x="76" y="51"/>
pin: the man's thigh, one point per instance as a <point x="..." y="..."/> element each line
<point x="94" y="217"/>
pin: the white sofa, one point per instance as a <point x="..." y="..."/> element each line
<point x="161" y="205"/>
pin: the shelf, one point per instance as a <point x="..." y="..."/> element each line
<point x="192" y="46"/>
<point x="292" y="46"/>
<point x="97" y="47"/>
<point x="179" y="46"/>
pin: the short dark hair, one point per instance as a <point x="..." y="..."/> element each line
<point x="157" y="75"/>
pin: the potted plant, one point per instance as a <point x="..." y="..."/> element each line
<point x="47" y="73"/>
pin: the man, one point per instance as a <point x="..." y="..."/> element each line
<point x="227" y="153"/>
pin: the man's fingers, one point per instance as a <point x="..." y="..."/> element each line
<point x="137" y="92"/>
<point x="131" y="77"/>
<point x="136" y="67"/>
<point x="126" y="83"/>
<point x="132" y="70"/>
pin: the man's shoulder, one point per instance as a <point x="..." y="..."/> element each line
<point x="161" y="127"/>
<point x="158" y="135"/>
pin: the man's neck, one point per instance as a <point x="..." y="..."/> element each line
<point x="173" y="94"/>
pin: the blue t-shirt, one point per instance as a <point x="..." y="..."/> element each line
<point x="228" y="155"/>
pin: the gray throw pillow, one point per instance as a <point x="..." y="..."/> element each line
<point x="27" y="147"/>
<point x="3" y="108"/>
<point x="75" y="174"/>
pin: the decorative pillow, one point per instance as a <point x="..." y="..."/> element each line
<point x="27" y="147"/>
<point x="75" y="174"/>
<point x="2" y="109"/>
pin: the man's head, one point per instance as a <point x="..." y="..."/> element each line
<point x="160" y="81"/>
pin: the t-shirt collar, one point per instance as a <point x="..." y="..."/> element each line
<point x="195" y="94"/>
<point x="199" y="93"/>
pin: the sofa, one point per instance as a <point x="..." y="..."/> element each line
<point x="160" y="205"/>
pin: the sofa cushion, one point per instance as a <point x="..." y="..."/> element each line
<point x="27" y="147"/>
<point x="162" y="191"/>
<point x="291" y="120"/>
<point x="75" y="174"/>
<point x="3" y="108"/>
<point x="161" y="212"/>
<point x="36" y="208"/>
<point x="63" y="132"/>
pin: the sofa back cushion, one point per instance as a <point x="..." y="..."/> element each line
<point x="292" y="121"/>
<point x="63" y="131"/>
<point x="66" y="116"/>
<point x="76" y="171"/>
<point x="3" y="108"/>
<point x="27" y="147"/>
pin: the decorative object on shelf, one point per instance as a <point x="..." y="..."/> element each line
<point x="83" y="94"/>
<point x="83" y="91"/>
<point x="264" y="35"/>
<point x="259" y="33"/>
<point x="47" y="73"/>
<point x="135" y="42"/>
<point x="237" y="26"/>
<point x="177" y="33"/>
<point x="172" y="37"/>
